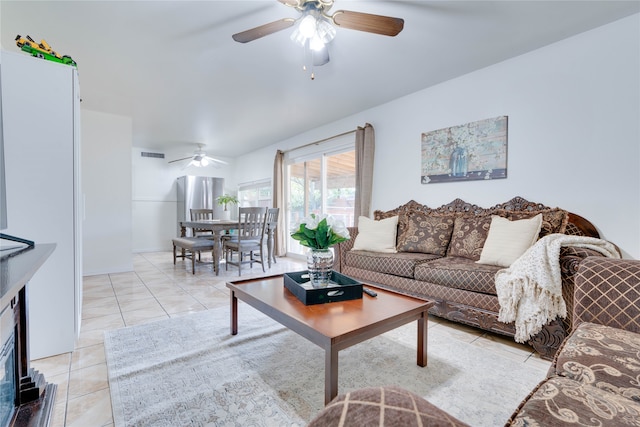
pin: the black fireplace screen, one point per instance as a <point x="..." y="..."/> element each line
<point x="7" y="381"/>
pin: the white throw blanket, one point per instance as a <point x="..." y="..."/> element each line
<point x="530" y="290"/>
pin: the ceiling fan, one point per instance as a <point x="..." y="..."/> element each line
<point x="200" y="159"/>
<point x="316" y="27"/>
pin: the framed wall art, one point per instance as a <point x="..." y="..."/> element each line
<point x="469" y="152"/>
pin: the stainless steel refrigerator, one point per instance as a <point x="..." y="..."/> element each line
<point x="198" y="192"/>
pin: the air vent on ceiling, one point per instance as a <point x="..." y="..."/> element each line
<point x="154" y="155"/>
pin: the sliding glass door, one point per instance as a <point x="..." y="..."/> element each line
<point x="322" y="183"/>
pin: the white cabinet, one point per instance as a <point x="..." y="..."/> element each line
<point x="41" y="112"/>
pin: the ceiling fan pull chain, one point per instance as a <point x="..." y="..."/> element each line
<point x="308" y="59"/>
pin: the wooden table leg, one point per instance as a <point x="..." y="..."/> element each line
<point x="422" y="339"/>
<point x="234" y="314"/>
<point x="330" y="374"/>
<point x="270" y="246"/>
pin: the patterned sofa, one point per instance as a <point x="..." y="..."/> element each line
<point x="464" y="290"/>
<point x="593" y="380"/>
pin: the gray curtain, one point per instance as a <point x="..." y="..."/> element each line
<point x="365" y="148"/>
<point x="280" y="237"/>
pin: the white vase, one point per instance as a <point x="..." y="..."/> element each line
<point x="226" y="215"/>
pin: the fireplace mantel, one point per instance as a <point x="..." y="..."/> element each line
<point x="34" y="397"/>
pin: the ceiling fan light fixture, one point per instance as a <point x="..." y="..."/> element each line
<point x="316" y="44"/>
<point x="198" y="160"/>
<point x="324" y="30"/>
<point x="298" y="38"/>
<point x="320" y="57"/>
<point x="308" y="26"/>
<point x="314" y="28"/>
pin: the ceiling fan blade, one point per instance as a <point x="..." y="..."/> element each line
<point x="263" y="30"/>
<point x="213" y="159"/>
<point x="179" y="160"/>
<point x="378" y="24"/>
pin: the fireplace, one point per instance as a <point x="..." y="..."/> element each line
<point x="8" y="380"/>
<point x="26" y="399"/>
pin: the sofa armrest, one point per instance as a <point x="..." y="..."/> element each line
<point x="607" y="292"/>
<point x="570" y="259"/>
<point x="572" y="256"/>
<point x="340" y="250"/>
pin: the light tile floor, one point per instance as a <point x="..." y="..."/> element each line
<point x="157" y="289"/>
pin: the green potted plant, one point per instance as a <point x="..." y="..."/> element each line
<point x="319" y="232"/>
<point x="225" y="200"/>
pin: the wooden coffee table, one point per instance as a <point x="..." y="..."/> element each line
<point x="333" y="326"/>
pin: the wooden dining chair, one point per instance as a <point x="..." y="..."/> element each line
<point x="190" y="247"/>
<point x="249" y="239"/>
<point x="201" y="215"/>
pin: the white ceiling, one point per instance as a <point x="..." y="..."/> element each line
<point x="173" y="67"/>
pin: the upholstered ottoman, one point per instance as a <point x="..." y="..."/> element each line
<point x="382" y="406"/>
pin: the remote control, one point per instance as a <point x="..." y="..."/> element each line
<point x="369" y="292"/>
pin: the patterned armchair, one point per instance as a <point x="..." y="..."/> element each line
<point x="593" y="380"/>
<point x="594" y="377"/>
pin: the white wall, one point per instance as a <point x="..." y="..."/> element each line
<point x="574" y="132"/>
<point x="154" y="206"/>
<point x="107" y="228"/>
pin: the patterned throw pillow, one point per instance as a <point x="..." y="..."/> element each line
<point x="425" y="233"/>
<point x="469" y="235"/>
<point x="553" y="220"/>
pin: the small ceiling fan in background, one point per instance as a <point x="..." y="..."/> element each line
<point x="200" y="159"/>
<point x="316" y="27"/>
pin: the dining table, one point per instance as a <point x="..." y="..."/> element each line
<point x="220" y="228"/>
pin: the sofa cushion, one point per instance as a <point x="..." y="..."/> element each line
<point x="424" y="232"/>
<point x="602" y="356"/>
<point x="382" y="406"/>
<point x="400" y="264"/>
<point x="469" y="235"/>
<point x="458" y="273"/>
<point x="563" y="401"/>
<point x="508" y="240"/>
<point x="450" y="296"/>
<point x="376" y="236"/>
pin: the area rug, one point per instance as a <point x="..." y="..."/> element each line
<point x="189" y="371"/>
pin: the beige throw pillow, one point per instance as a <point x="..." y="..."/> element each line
<point x="376" y="236"/>
<point x="508" y="240"/>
